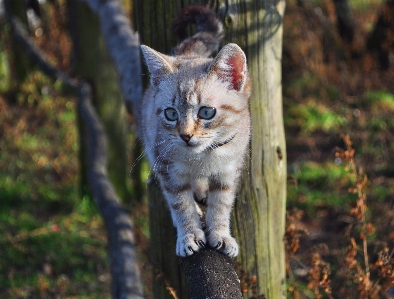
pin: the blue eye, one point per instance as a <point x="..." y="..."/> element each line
<point x="206" y="112"/>
<point x="171" y="114"/>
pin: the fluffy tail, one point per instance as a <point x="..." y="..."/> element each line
<point x="206" y="40"/>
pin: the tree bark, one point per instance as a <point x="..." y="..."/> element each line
<point x="259" y="212"/>
<point x="21" y="65"/>
<point x="345" y="20"/>
<point x="380" y="39"/>
<point x="93" y="63"/>
<point x="209" y="274"/>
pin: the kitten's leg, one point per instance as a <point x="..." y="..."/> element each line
<point x="220" y="200"/>
<point x="186" y="220"/>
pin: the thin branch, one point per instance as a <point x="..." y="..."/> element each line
<point x="123" y="46"/>
<point x="34" y="53"/>
<point x="126" y="282"/>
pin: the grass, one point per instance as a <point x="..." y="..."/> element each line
<point x="314" y="116"/>
<point x="381" y="100"/>
<point x="53" y="243"/>
<point x="314" y="186"/>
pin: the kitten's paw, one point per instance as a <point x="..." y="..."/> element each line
<point x="223" y="243"/>
<point x="190" y="243"/>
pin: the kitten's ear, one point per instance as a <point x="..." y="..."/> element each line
<point x="230" y="67"/>
<point x="159" y="65"/>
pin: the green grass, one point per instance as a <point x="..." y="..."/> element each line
<point x="52" y="241"/>
<point x="380" y="99"/>
<point x="314" y="116"/>
<point x="319" y="185"/>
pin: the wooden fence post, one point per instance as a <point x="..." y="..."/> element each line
<point x="259" y="212"/>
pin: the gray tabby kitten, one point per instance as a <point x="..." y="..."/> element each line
<point x="195" y="127"/>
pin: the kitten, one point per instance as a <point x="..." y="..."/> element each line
<point x="195" y="127"/>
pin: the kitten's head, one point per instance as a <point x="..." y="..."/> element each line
<point x="202" y="103"/>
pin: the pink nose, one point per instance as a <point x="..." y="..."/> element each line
<point x="186" y="137"/>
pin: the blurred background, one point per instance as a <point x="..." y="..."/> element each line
<point x="338" y="104"/>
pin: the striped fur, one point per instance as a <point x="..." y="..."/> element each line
<point x="196" y="157"/>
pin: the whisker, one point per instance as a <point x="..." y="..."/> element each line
<point x="161" y="156"/>
<point x="143" y="154"/>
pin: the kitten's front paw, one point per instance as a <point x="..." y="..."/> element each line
<point x="190" y="243"/>
<point x="223" y="243"/>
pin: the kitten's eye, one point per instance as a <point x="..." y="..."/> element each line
<point x="206" y="112"/>
<point x="171" y="114"/>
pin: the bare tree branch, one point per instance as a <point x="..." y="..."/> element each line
<point x="35" y="54"/>
<point x="126" y="282"/>
<point x="123" y="46"/>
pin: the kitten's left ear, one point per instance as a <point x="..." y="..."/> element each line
<point x="230" y="67"/>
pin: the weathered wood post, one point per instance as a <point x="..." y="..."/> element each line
<point x="259" y="212"/>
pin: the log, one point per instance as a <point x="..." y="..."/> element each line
<point x="210" y="274"/>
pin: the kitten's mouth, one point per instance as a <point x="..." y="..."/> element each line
<point x="216" y="145"/>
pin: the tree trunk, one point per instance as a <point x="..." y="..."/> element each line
<point x="21" y="65"/>
<point x="345" y="20"/>
<point x="259" y="213"/>
<point x="381" y="38"/>
<point x="93" y="64"/>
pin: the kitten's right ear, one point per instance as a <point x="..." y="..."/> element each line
<point x="159" y="65"/>
<point x="230" y="67"/>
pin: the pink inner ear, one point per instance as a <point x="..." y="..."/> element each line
<point x="237" y="71"/>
